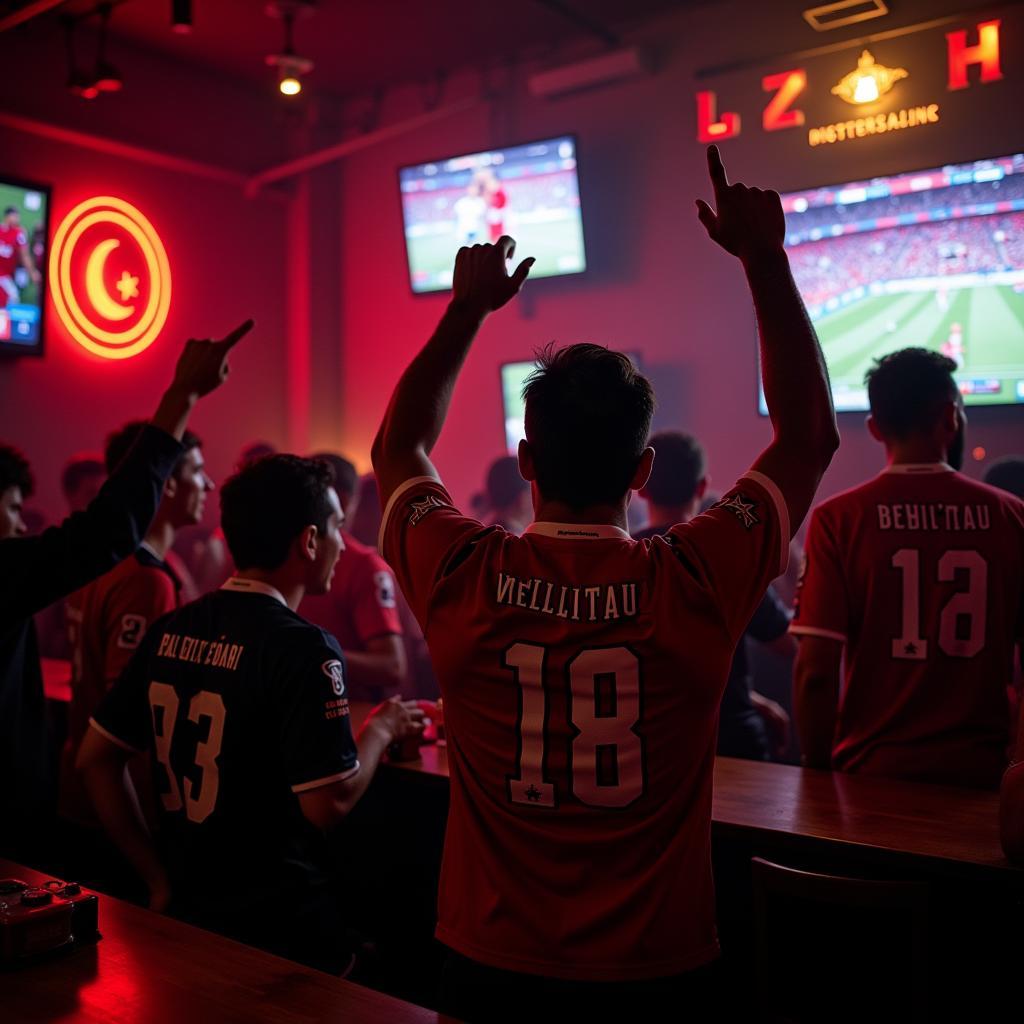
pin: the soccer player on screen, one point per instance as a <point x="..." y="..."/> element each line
<point x="582" y="670"/>
<point x="917" y="575"/>
<point x="13" y="254"/>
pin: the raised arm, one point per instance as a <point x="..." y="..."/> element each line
<point x="420" y="401"/>
<point x="749" y="223"/>
<point x="36" y="571"/>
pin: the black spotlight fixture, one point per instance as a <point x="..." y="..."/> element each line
<point x="79" y="83"/>
<point x="290" y="66"/>
<point x="107" y="78"/>
<point x="181" y="16"/>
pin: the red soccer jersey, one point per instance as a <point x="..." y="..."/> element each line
<point x="11" y="240"/>
<point x="110" y="618"/>
<point x="362" y="603"/>
<point x="582" y="673"/>
<point x="918" y="572"/>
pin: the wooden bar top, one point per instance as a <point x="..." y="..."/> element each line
<point x="153" y="969"/>
<point x="957" y="828"/>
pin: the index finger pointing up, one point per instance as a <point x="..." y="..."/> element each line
<point x="235" y="336"/>
<point x="716" y="169"/>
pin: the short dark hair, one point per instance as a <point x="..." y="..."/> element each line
<point x="346" y="479"/>
<point x="504" y="481"/>
<point x="10" y="209"/>
<point x="1007" y="474"/>
<point x="679" y="466"/>
<point x="121" y="440"/>
<point x="15" y="471"/>
<point x="908" y="389"/>
<point x="588" y="414"/>
<point x="78" y="469"/>
<point x="268" y="503"/>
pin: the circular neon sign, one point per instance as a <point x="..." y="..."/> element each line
<point x="110" y="278"/>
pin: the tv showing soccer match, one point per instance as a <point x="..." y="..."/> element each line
<point x="933" y="258"/>
<point x="530" y="192"/>
<point x="23" y="235"/>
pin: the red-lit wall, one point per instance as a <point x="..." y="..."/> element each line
<point x="656" y="284"/>
<point x="227" y="257"/>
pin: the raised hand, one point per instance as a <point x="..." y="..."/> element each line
<point x="482" y="282"/>
<point x="746" y="221"/>
<point x="203" y="365"/>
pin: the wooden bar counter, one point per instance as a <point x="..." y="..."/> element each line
<point x="153" y="969"/>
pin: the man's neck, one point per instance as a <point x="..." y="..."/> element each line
<point x="291" y="590"/>
<point x="917" y="451"/>
<point x="594" y="515"/>
<point x="160" y="537"/>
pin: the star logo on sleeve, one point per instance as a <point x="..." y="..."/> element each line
<point x="424" y="506"/>
<point x="533" y="794"/>
<point x="742" y="508"/>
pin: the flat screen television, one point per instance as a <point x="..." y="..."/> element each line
<point x="530" y="192"/>
<point x="932" y="258"/>
<point x="24" y="212"/>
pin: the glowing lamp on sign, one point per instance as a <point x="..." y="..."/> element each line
<point x="290" y="86"/>
<point x="101" y="240"/>
<point x="869" y="82"/>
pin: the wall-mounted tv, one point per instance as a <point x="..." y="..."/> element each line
<point x="932" y="258"/>
<point x="530" y="192"/>
<point x="24" y="210"/>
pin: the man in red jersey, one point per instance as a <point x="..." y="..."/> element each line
<point x="582" y="670"/>
<point x="916" y="573"/>
<point x="361" y="609"/>
<point x="13" y="254"/>
<point x="113" y="612"/>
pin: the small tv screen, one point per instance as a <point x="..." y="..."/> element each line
<point x="23" y="238"/>
<point x="933" y="258"/>
<point x="513" y="378"/>
<point x="530" y="192"/>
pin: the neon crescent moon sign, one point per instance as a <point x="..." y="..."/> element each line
<point x="101" y="299"/>
<point x="98" y="239"/>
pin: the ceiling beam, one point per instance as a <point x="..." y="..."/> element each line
<point x="27" y="13"/>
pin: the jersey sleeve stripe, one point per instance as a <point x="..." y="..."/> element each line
<point x="829" y="634"/>
<point x="781" y="509"/>
<point x="395" y="498"/>
<point x="327" y="780"/>
<point x="114" y="739"/>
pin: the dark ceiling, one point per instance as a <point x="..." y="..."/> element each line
<point x="360" y="45"/>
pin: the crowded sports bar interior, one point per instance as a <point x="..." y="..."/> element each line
<point x="511" y="512"/>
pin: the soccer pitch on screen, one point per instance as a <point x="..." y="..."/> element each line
<point x="930" y="258"/>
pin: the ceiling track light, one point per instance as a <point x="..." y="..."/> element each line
<point x="290" y="66"/>
<point x="181" y="16"/>
<point x="79" y="83"/>
<point x="107" y="78"/>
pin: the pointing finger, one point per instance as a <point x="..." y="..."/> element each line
<point x="716" y="169"/>
<point x="234" y="337"/>
<point x="522" y="272"/>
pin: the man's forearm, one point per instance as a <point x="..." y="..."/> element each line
<point x="122" y="819"/>
<point x="173" y="411"/>
<point x="796" y="386"/>
<point x="420" y="402"/>
<point x="376" y="668"/>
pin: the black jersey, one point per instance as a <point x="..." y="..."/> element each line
<point x="242" y="705"/>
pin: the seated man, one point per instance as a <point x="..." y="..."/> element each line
<point x="361" y="610"/>
<point x="581" y="670"/>
<point x="243" y="707"/>
<point x="114" y="612"/>
<point x="917" y="575"/>
<point x="750" y="725"/>
<point x="36" y="571"/>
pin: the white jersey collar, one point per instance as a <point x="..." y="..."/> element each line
<point x="579" y="531"/>
<point x="244" y="586"/>
<point x="918" y="468"/>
